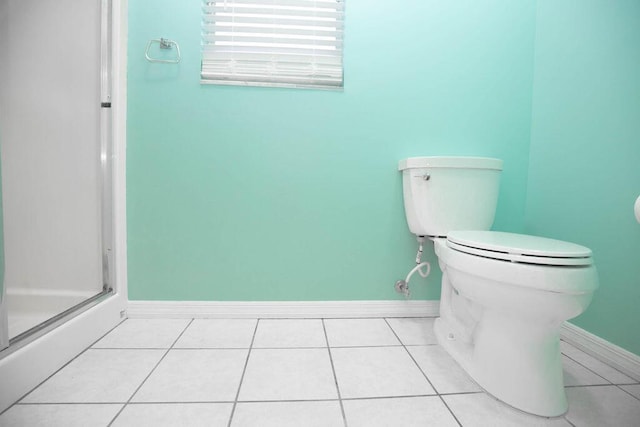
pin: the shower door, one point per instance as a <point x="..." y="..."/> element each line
<point x="54" y="121"/>
<point x="4" y="330"/>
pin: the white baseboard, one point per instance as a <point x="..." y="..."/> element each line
<point x="281" y="309"/>
<point x="617" y="357"/>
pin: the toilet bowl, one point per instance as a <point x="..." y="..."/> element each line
<point x="504" y="296"/>
<point x="500" y="318"/>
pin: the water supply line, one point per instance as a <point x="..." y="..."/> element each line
<point x="402" y="286"/>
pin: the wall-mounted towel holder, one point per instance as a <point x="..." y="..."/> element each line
<point x="163" y="44"/>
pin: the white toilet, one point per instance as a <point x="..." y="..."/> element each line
<point x="504" y="295"/>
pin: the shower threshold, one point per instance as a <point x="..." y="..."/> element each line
<point x="28" y="325"/>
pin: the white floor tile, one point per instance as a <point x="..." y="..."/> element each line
<point x="143" y="333"/>
<point x="576" y="374"/>
<point x="378" y="372"/>
<point x="288" y="374"/>
<point x="289" y="380"/>
<point x="194" y="376"/>
<point x="218" y="333"/>
<point x="401" y="411"/>
<point x="67" y="415"/>
<point x="444" y="373"/>
<point x="174" y="414"/>
<point x="602" y="406"/>
<point x="632" y="389"/>
<point x="288" y="414"/>
<point x="414" y="331"/>
<point x="481" y="410"/>
<point x="283" y="333"/>
<point x="98" y="376"/>
<point x="359" y="332"/>
<point x="600" y="368"/>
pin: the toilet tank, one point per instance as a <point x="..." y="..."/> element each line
<point x="443" y="194"/>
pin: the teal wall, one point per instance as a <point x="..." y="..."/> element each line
<point x="584" y="171"/>
<point x="238" y="193"/>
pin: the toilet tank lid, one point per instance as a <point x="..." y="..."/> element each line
<point x="450" y="162"/>
<point x="519" y="244"/>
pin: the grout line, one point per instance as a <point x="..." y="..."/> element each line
<point x="564" y="417"/>
<point x="586" y="367"/>
<point x="266" y="348"/>
<point x="406" y="396"/>
<point x="108" y="332"/>
<point x="591" y="385"/>
<point x="265" y="319"/>
<point x="600" y="361"/>
<point x="290" y="348"/>
<point x="425" y="375"/>
<point x="288" y="401"/>
<point x="462" y="392"/>
<point x="335" y="377"/>
<point x="244" y="370"/>
<point x="69" y="403"/>
<point x="63" y="366"/>
<point x="367" y="346"/>
<point x="328" y="347"/>
<point x="629" y="393"/>
<point x="130" y="348"/>
<point x="193" y="402"/>
<point x="174" y="348"/>
<point x="380" y="346"/>
<point x="150" y="373"/>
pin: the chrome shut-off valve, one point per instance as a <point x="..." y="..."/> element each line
<point x="402" y="287"/>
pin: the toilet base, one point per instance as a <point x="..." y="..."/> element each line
<point x="516" y="360"/>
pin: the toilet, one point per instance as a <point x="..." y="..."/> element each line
<point x="504" y="296"/>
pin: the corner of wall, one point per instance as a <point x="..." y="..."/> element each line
<point x="525" y="218"/>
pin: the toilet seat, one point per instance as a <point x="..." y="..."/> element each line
<point x="519" y="248"/>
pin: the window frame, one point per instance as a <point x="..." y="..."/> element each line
<point x="273" y="49"/>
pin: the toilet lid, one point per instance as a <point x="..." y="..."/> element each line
<point x="519" y="248"/>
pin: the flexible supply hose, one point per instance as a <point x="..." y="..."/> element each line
<point x="418" y="268"/>
<point x="402" y="286"/>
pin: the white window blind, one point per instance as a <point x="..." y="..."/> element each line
<point x="273" y="42"/>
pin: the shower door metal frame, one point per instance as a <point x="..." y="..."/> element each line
<point x="9" y="345"/>
<point x="106" y="145"/>
<point x="4" y="320"/>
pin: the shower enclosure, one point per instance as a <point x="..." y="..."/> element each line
<point x="55" y="161"/>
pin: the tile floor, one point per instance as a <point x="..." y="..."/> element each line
<point x="297" y="372"/>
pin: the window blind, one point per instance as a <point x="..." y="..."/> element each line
<point x="273" y="42"/>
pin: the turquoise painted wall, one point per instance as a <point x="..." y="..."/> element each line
<point x="584" y="171"/>
<point x="237" y="193"/>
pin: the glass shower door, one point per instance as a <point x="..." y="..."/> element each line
<point x="4" y="330"/>
<point x="53" y="158"/>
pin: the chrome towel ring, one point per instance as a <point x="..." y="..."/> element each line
<point x="163" y="44"/>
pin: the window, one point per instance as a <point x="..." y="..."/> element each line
<point x="291" y="43"/>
